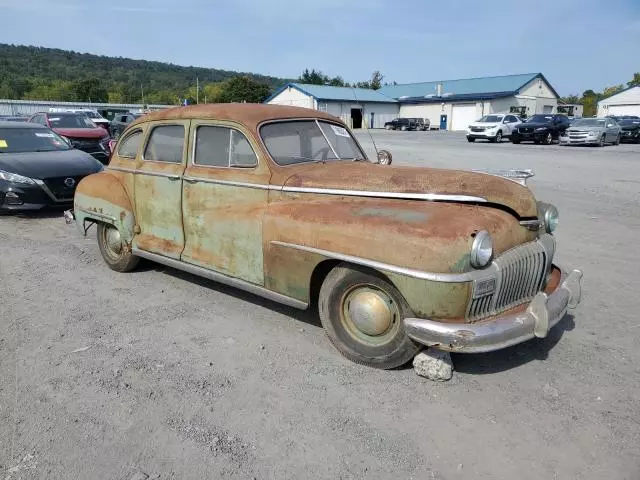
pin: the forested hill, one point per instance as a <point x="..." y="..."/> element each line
<point x="28" y="72"/>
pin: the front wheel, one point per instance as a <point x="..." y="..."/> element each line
<point x="617" y="142"/>
<point x="114" y="250"/>
<point x="469" y="139"/>
<point x="403" y="129"/>
<point x="498" y="138"/>
<point x="548" y="139"/>
<point x="515" y="141"/>
<point x="363" y="315"/>
<point x="603" y="140"/>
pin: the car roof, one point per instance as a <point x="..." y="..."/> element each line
<point x="5" y="124"/>
<point x="249" y="114"/>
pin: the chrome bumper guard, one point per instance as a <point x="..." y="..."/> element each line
<point x="543" y="313"/>
<point x="69" y="217"/>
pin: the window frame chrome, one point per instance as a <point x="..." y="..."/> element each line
<point x="193" y="163"/>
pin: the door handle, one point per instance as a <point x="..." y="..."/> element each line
<point x="191" y="180"/>
<point x="173" y="178"/>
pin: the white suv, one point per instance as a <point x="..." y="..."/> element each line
<point x="493" y="127"/>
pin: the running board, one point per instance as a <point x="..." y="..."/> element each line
<point x="220" y="278"/>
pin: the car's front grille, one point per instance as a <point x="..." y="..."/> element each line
<point x="577" y="134"/>
<point x="89" y="145"/>
<point x="63" y="188"/>
<point x="520" y="273"/>
<point x="477" y="129"/>
<point x="525" y="130"/>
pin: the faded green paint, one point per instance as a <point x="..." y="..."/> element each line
<point x="462" y="265"/>
<point x="223" y="229"/>
<point x="88" y="208"/>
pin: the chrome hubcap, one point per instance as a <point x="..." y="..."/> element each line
<point x="370" y="315"/>
<point x="113" y="241"/>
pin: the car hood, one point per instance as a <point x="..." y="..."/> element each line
<point x="484" y="124"/>
<point x="585" y="128"/>
<point x="41" y="165"/>
<point x="630" y="127"/>
<point x="535" y="125"/>
<point x="367" y="179"/>
<point x="98" y="132"/>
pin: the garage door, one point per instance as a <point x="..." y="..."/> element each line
<point x="624" y="110"/>
<point x="463" y="115"/>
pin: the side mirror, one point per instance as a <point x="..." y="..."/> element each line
<point x="384" y="157"/>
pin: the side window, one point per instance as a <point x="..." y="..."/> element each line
<point x="223" y="147"/>
<point x="510" y="119"/>
<point x="165" y="144"/>
<point x="129" y="147"/>
<point x="119" y="118"/>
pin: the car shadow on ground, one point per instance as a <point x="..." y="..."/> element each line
<point x="37" y="214"/>
<point x="515" y="356"/>
<point x="308" y="316"/>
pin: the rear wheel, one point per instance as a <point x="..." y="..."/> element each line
<point x="113" y="249"/>
<point x="362" y="315"/>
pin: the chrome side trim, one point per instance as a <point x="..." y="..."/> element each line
<point x="437" y="277"/>
<point x="230" y="183"/>
<point x="402" y="195"/>
<point x="122" y="169"/>
<point x="532" y="225"/>
<point x="44" y="187"/>
<point x="221" y="278"/>
<point x="102" y="216"/>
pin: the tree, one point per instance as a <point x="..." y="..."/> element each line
<point x="635" y="81"/>
<point x="243" y="89"/>
<point x="376" y="80"/>
<point x="313" y="77"/>
<point x="570" y="99"/>
<point x="91" y="90"/>
<point x="612" y="90"/>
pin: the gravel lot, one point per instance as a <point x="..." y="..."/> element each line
<point x="103" y="375"/>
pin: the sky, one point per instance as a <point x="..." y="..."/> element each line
<point x="576" y="44"/>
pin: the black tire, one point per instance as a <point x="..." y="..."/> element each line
<point x="548" y="139"/>
<point x="117" y="258"/>
<point x="471" y="139"/>
<point x="388" y="346"/>
<point x="603" y="140"/>
<point x="617" y="142"/>
<point x="498" y="137"/>
<point x="515" y="141"/>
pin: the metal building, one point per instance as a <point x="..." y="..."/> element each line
<point x="453" y="104"/>
<point x="357" y="107"/>
<point x="29" y="107"/>
<point x="626" y="102"/>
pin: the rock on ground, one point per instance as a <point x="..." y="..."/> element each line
<point x="434" y="365"/>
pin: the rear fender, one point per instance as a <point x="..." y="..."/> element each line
<point x="102" y="198"/>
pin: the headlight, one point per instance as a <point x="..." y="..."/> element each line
<point x="541" y="129"/>
<point x="481" y="250"/>
<point x="549" y="214"/>
<point x="15" y="178"/>
<point x="592" y="134"/>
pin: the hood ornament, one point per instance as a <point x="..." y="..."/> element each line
<point x="519" y="176"/>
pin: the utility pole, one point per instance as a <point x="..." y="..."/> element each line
<point x="197" y="90"/>
<point x="142" y="90"/>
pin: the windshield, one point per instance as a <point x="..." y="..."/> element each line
<point x="92" y="115"/>
<point x="629" y="122"/>
<point x="540" y="119"/>
<point x="589" y="122"/>
<point x="19" y="140"/>
<point x="300" y="141"/>
<point x="70" y="121"/>
<point x="491" y="119"/>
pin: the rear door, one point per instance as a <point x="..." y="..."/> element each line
<point x="226" y="187"/>
<point x="612" y="130"/>
<point x="158" y="189"/>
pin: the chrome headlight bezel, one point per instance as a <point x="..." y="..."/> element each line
<point x="481" y="250"/>
<point x="548" y="213"/>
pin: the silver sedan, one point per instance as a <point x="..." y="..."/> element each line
<point x="592" y="131"/>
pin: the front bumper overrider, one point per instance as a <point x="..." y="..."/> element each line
<point x="501" y="331"/>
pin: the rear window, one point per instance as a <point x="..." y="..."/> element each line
<point x="130" y="145"/>
<point x="165" y="144"/>
<point x="19" y="140"/>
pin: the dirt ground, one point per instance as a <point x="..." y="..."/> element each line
<point x="160" y="373"/>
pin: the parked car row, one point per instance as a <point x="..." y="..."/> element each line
<point x="549" y="128"/>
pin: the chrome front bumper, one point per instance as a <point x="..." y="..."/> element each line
<point x="544" y="312"/>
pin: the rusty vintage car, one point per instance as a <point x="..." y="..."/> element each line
<point x="283" y="202"/>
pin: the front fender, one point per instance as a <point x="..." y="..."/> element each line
<point x="101" y="197"/>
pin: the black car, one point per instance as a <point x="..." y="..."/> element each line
<point x="421" y="124"/>
<point x="630" y="130"/>
<point x="540" y="128"/>
<point x="401" y="124"/>
<point x="38" y="168"/>
<point x="121" y="121"/>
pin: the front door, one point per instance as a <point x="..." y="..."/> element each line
<point x="226" y="187"/>
<point x="158" y="189"/>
